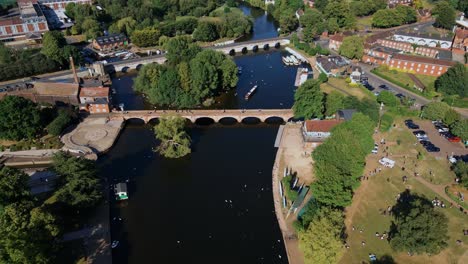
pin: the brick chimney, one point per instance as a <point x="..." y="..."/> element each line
<point x="75" y="76"/>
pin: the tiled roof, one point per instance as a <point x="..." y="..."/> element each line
<point x="94" y="92"/>
<point x="321" y="125"/>
<point x="427" y="60"/>
<point x="114" y="38"/>
<point x="56" y="88"/>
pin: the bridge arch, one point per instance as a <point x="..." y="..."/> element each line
<point x="251" y="120"/>
<point x="255" y="48"/>
<point x="232" y="52"/>
<point x="139" y="66"/>
<point x="228" y="120"/>
<point x="274" y="120"/>
<point x="244" y="50"/>
<point x="125" y="69"/>
<point x="135" y="120"/>
<point x="266" y="46"/>
<point x="205" y="121"/>
<point x="277" y="45"/>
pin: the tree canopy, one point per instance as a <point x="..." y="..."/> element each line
<point x="387" y="98"/>
<point x="308" y="100"/>
<point x="454" y="81"/>
<point x="460" y="129"/>
<point x="79" y="185"/>
<point x="13" y="185"/>
<point x="400" y="15"/>
<point x="26" y="234"/>
<point x="175" y="142"/>
<point x="321" y="241"/>
<point x="435" y="110"/>
<point x="333" y="103"/>
<point x="20" y="118"/>
<point x="340" y="160"/>
<point x="445" y="15"/>
<point x="352" y="47"/>
<point x="64" y="118"/>
<point x="417" y="226"/>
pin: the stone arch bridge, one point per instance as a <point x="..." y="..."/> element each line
<point x="231" y="49"/>
<point x="216" y="115"/>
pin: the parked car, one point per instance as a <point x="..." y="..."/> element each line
<point x="410" y="124"/>
<point x="454" y="139"/>
<point x="419" y="133"/>
<point x="432" y="149"/>
<point x="384" y="87"/>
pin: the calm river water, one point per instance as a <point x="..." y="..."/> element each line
<point x="216" y="205"/>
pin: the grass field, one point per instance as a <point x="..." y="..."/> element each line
<point x="364" y="22"/>
<point x="402" y="79"/>
<point x="380" y="191"/>
<point x="340" y="85"/>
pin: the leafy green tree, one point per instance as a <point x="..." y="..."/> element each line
<point x="180" y="48"/>
<point x="352" y="47"/>
<point x="321" y="4"/>
<point x="90" y="27"/>
<point x="184" y="75"/>
<point x="27" y="234"/>
<point x="175" y="142"/>
<point x="332" y="25"/>
<point x="460" y="129"/>
<point x="451" y="117"/>
<point x="53" y="43"/>
<point x="125" y="25"/>
<point x="461" y="170"/>
<point x="386" y="18"/>
<point x="60" y="122"/>
<point x="406" y="14"/>
<point x="435" y="110"/>
<point x="308" y="100"/>
<point x="339" y="9"/>
<point x="445" y="15"/>
<point x="20" y="118"/>
<point x="79" y="186"/>
<point x="145" y="37"/>
<point x="321" y="242"/>
<point x="229" y="73"/>
<point x="387" y="98"/>
<point x="288" y="22"/>
<point x="13" y="185"/>
<point x="418" y="227"/>
<point x="205" y="32"/>
<point x="333" y="103"/>
<point x="454" y="81"/>
<point x="5" y="54"/>
<point x="313" y="23"/>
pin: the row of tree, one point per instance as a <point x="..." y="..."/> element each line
<point x="29" y="230"/>
<point x="450" y="117"/>
<point x="386" y="18"/>
<point x="189" y="77"/>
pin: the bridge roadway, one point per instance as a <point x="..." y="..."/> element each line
<point x="216" y="115"/>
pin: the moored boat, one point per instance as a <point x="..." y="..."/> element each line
<point x="250" y="93"/>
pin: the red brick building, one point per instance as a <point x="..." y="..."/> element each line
<point x="94" y="99"/>
<point x="30" y="22"/>
<point x="110" y="43"/>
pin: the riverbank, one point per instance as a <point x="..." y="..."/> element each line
<point x="292" y="154"/>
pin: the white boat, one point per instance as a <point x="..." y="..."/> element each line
<point x="286" y="60"/>
<point x="115" y="243"/>
<point x="250" y="93"/>
<point x="294" y="60"/>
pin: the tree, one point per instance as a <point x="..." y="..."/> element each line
<point x="5" y="54"/>
<point x="461" y="170"/>
<point x="13" y="185"/>
<point x="387" y="98"/>
<point x="125" y="25"/>
<point x="339" y="9"/>
<point x="288" y="22"/>
<point x="20" y="118"/>
<point x="184" y="75"/>
<point x="313" y="24"/>
<point x="406" y="14"/>
<point x="333" y="103"/>
<point x="435" y="110"/>
<point x="27" y="234"/>
<point x="146" y="37"/>
<point x="60" y="122"/>
<point x="53" y="43"/>
<point x="308" y="100"/>
<point x="445" y="15"/>
<point x="352" y="47"/>
<point x="78" y="183"/>
<point x="321" y="241"/>
<point x="180" y="48"/>
<point x="418" y="227"/>
<point x="460" y="129"/>
<point x="175" y="142"/>
<point x="451" y="117"/>
<point x="90" y="27"/>
<point x="205" y="31"/>
<point x="454" y="81"/>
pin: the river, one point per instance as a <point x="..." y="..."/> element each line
<point x="215" y="205"/>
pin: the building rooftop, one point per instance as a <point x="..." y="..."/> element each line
<point x="321" y="125"/>
<point x="56" y="88"/>
<point x="425" y="35"/>
<point x="331" y="62"/>
<point x="114" y="38"/>
<point x="94" y="92"/>
<point x="427" y="60"/>
<point x="346" y="114"/>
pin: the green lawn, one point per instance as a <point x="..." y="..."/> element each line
<point x="363" y="22"/>
<point x="380" y="191"/>
<point x="403" y="80"/>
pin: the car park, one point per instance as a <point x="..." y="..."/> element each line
<point x="454" y="139"/>
<point x="384" y="87"/>
<point x="432" y="149"/>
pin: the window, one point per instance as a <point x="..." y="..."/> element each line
<point x="440" y="68"/>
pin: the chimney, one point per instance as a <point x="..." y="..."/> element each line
<point x="75" y="76"/>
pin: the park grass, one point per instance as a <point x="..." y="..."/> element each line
<point x="340" y="85"/>
<point x="404" y="81"/>
<point x="380" y="191"/>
